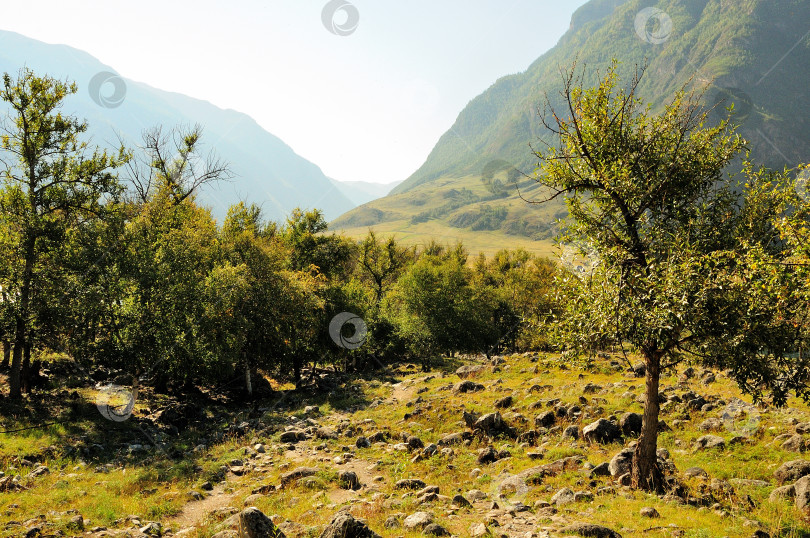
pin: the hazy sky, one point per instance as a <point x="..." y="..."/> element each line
<point x="368" y="105"/>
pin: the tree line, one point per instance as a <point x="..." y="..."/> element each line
<point x="109" y="259"/>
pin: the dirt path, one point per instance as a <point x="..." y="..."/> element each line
<point x="194" y="512"/>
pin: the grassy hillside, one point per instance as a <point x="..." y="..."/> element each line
<point x="755" y="53"/>
<point x="463" y="209"/>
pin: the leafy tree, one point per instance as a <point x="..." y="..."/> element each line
<point x="524" y="288"/>
<point x="382" y="262"/>
<point x="261" y="315"/>
<point x="51" y="184"/>
<point x="674" y="243"/>
<point x="440" y="308"/>
<point x="305" y="233"/>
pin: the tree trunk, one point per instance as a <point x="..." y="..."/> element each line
<point x="297" y="363"/>
<point x="26" y="374"/>
<point x="14" y="378"/>
<point x="646" y="474"/>
<point x="248" y="380"/>
<point x="6" y="355"/>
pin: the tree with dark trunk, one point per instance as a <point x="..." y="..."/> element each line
<point x="50" y="183"/>
<point x="668" y="245"/>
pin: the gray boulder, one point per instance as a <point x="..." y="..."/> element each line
<point x="710" y="441"/>
<point x="792" y="470"/>
<point x="254" y="524"/>
<point x="802" y="499"/>
<point x="602" y="431"/>
<point x="783" y="492"/>
<point x="621" y="463"/>
<point x="343" y="525"/>
<point x="467" y="386"/>
<point x="545" y="420"/>
<point x="630" y="424"/>
<point x="469" y="370"/>
<point x="348" y="480"/>
<point x="418" y="520"/>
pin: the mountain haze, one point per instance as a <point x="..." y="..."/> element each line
<point x="755" y="53"/>
<point x="266" y="170"/>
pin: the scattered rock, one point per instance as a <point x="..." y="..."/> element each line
<point x="504" y="403"/>
<point x="630" y="423"/>
<point x="293" y="436"/>
<point x="454" y="438"/>
<point x="434" y="529"/>
<point x="545" y="420"/>
<point x="409" y="483"/>
<point x="621" y="462"/>
<point x="467" y="386"/>
<point x="711" y="425"/>
<point x="76" y="523"/>
<point x="782" y="493"/>
<point x="492" y="424"/>
<point x="795" y="443"/>
<point x="348" y="480"/>
<point x="478" y="530"/>
<point x="591" y="531"/>
<point x="649" y="512"/>
<point x="710" y="441"/>
<point x="802" y="490"/>
<point x="487" y="455"/>
<point x="254" y="524"/>
<point x="693" y="472"/>
<point x="602" y="431"/>
<point x="418" y="520"/>
<point x="603" y="469"/>
<point x="792" y="470"/>
<point x="343" y="525"/>
<point x="461" y="501"/>
<point x="469" y="370"/>
<point x="296" y="474"/>
<point x="562" y="497"/>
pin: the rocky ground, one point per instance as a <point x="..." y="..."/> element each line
<point x="520" y="446"/>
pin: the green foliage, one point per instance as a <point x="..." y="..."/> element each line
<point x="52" y="187"/>
<point x="682" y="271"/>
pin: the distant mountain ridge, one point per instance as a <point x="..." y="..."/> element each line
<point x="266" y="170"/>
<point x="734" y="43"/>
<point x="755" y="53"/>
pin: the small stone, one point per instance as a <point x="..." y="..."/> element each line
<point x="348" y="480"/>
<point x="434" y="529"/>
<point x="418" y="520"/>
<point x="562" y="497"/>
<point x="649" y="512"/>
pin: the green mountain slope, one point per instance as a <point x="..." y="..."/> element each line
<point x="755" y="53"/>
